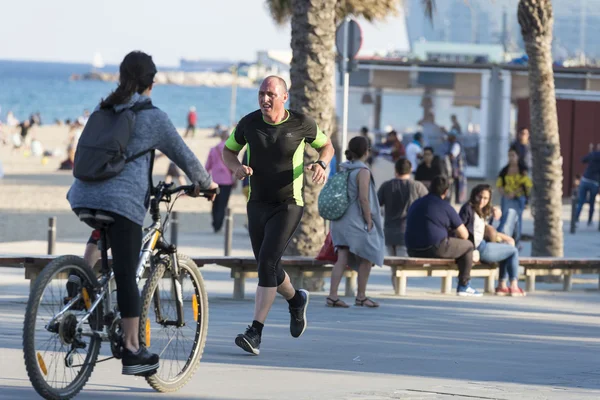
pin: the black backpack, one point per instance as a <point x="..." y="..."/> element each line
<point x="100" y="153"/>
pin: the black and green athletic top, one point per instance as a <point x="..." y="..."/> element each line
<point x="276" y="154"/>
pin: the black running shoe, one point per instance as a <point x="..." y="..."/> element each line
<point x="249" y="341"/>
<point x="298" y="316"/>
<point x="142" y="363"/>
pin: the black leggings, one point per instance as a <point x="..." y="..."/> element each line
<point x="271" y="228"/>
<point x="125" y="237"/>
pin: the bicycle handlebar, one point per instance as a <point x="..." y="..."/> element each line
<point x="187" y="189"/>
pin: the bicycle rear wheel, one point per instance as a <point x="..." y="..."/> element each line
<point x="179" y="348"/>
<point x="59" y="362"/>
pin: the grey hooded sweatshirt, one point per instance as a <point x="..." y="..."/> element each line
<point x="127" y="193"/>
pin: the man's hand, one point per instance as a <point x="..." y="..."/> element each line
<point x="243" y="172"/>
<point x="319" y="175"/>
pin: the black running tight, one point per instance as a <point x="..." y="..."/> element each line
<point x="271" y="228"/>
<point x="125" y="238"/>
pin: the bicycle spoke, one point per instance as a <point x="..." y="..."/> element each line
<point x="51" y="348"/>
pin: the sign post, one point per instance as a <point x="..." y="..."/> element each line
<point x="348" y="40"/>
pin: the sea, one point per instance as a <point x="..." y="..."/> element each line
<point x="45" y="87"/>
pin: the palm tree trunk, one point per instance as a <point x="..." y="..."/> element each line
<point x="311" y="73"/>
<point x="536" y="20"/>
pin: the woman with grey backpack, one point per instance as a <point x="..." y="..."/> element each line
<point x="358" y="234"/>
<point x="113" y="167"/>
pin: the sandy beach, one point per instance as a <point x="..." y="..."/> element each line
<point x="31" y="191"/>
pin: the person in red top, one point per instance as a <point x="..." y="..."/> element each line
<point x="192" y="119"/>
<point x="393" y="148"/>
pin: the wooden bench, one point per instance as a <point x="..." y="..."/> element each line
<point x="300" y="268"/>
<point x="554" y="266"/>
<point x="405" y="267"/>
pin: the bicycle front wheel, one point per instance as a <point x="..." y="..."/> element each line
<point x="179" y="347"/>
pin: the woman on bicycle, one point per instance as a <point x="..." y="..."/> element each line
<point x="125" y="196"/>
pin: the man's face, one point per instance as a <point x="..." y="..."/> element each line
<point x="427" y="156"/>
<point x="524" y="136"/>
<point x="271" y="98"/>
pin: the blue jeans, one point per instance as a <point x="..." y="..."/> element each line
<point x="586" y="187"/>
<point x="505" y="255"/>
<point x="517" y="204"/>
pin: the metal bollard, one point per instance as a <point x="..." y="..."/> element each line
<point x="174" y="227"/>
<point x="51" y="235"/>
<point x="573" y="211"/>
<point x="228" y="231"/>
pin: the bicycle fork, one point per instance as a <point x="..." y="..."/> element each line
<point x="165" y="248"/>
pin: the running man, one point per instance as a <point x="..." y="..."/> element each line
<point x="275" y="137"/>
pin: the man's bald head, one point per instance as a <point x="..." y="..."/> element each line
<point x="277" y="80"/>
<point x="272" y="96"/>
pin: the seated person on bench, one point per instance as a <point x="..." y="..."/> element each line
<point x="429" y="222"/>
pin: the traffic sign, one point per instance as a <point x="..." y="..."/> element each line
<point x="354" y="39"/>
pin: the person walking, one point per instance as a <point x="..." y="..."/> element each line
<point x="192" y="120"/>
<point x="224" y="178"/>
<point x="276" y="139"/>
<point x="358" y="235"/>
<point x="589" y="184"/>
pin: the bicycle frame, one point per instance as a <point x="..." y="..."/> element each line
<point x="153" y="240"/>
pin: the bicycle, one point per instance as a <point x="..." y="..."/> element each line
<point x="75" y="326"/>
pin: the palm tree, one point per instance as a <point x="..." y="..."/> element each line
<point x="536" y="20"/>
<point x="313" y="25"/>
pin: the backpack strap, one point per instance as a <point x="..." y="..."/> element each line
<point x="147" y="105"/>
<point x="138" y="155"/>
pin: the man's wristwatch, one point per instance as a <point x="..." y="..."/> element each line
<point x="321" y="163"/>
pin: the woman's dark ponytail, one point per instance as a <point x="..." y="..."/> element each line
<point x="136" y="74"/>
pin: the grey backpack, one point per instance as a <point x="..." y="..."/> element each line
<point x="101" y="151"/>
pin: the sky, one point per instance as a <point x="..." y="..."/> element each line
<point x="74" y="30"/>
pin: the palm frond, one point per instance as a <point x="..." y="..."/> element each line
<point x="281" y="10"/>
<point x="428" y="8"/>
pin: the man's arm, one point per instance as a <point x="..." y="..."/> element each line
<point x="233" y="146"/>
<point x="462" y="232"/>
<point x="322" y="144"/>
<point x="457" y="223"/>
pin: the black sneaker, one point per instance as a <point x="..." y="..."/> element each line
<point x="249" y="341"/>
<point x="298" y="316"/>
<point x="142" y="363"/>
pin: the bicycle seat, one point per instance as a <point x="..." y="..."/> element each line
<point x="96" y="219"/>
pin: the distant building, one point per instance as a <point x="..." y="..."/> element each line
<point x="458" y="52"/>
<point x="576" y="25"/>
<point x="271" y="62"/>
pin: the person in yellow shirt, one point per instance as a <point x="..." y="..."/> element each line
<point x="514" y="184"/>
